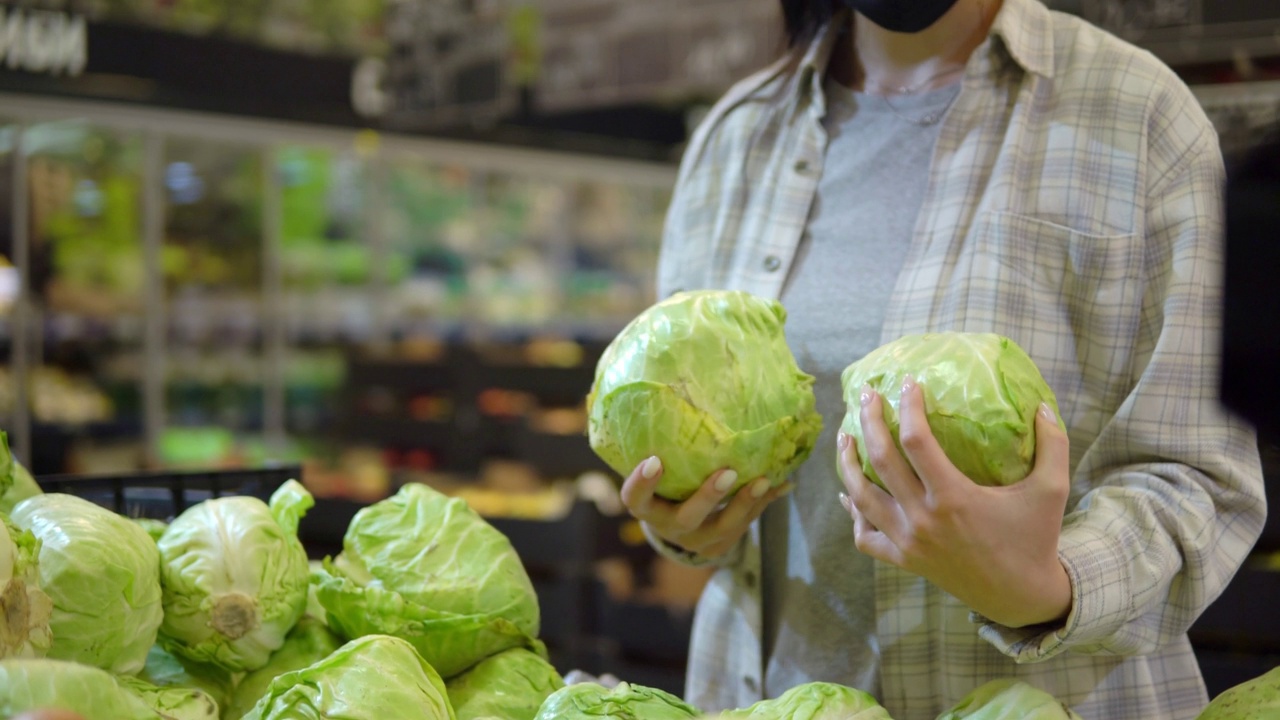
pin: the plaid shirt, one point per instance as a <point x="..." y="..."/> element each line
<point x="1074" y="206"/>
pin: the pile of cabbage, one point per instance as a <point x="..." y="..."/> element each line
<point x="427" y="614"/>
<point x="1005" y="699"/>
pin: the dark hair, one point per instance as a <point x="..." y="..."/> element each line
<point x="805" y="17"/>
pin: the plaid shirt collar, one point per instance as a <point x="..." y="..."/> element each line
<point x="1022" y="33"/>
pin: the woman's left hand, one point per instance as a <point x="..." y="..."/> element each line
<point x="993" y="548"/>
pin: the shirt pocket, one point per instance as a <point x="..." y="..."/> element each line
<point x="1071" y="299"/>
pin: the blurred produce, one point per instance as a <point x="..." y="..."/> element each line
<point x="58" y="397"/>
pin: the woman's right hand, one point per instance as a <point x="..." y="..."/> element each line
<point x="703" y="524"/>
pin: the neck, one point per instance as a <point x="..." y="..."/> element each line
<point x="872" y="59"/>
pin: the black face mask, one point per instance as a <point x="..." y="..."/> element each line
<point x="903" y="16"/>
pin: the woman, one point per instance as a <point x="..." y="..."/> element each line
<point x="980" y="166"/>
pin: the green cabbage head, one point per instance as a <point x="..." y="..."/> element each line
<point x="175" y="702"/>
<point x="16" y="484"/>
<point x="373" y="678"/>
<point x="155" y="528"/>
<point x="94" y="693"/>
<point x="981" y="394"/>
<point x="166" y="670"/>
<point x="314" y="608"/>
<point x="588" y="701"/>
<point x="1257" y="699"/>
<point x="235" y="578"/>
<point x="25" y="610"/>
<point x="308" y="643"/>
<point x="704" y="380"/>
<point x="102" y="572"/>
<point x="1009" y="699"/>
<point x="425" y="567"/>
<point x="511" y="685"/>
<point x="814" y="701"/>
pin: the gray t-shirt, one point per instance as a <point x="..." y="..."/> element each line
<point x="819" y="590"/>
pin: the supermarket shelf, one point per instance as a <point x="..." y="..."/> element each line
<point x="52" y="442"/>
<point x="402" y="375"/>
<point x="567" y="386"/>
<point x="562" y="546"/>
<point x="650" y="632"/>
<point x="556" y="455"/>
<point x="111" y="430"/>
<point x="401" y="432"/>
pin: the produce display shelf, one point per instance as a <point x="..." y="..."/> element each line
<point x="402" y="432"/>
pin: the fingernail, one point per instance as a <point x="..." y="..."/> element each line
<point x="845" y="502"/>
<point x="759" y="488"/>
<point x="908" y="384"/>
<point x="726" y="481"/>
<point x="1046" y="412"/>
<point x="865" y="397"/>
<point x="651" y="468"/>
<point x="842" y="441"/>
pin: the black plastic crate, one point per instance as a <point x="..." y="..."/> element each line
<point x="163" y="495"/>
<point x="556" y="455"/>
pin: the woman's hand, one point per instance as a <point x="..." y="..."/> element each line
<point x="993" y="548"/>
<point x="703" y="524"/>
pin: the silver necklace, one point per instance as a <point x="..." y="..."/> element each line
<point x="930" y="119"/>
<point x="933" y="117"/>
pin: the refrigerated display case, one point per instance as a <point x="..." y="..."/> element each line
<point x="517" y="275"/>
<point x="10" y="283"/>
<point x="235" y="292"/>
<point x="212" y="260"/>
<point x="615" y="236"/>
<point x="84" y="312"/>
<point x="428" y="224"/>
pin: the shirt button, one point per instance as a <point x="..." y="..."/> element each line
<point x="749" y="579"/>
<point x="751" y="683"/>
<point x="772" y="263"/>
<point x="802" y="166"/>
